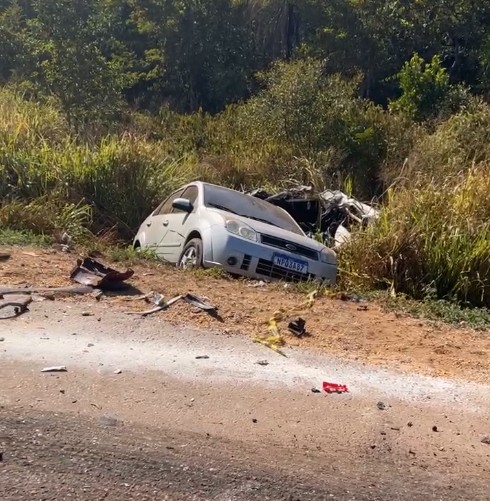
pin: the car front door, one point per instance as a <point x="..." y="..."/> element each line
<point x="157" y="225"/>
<point x="178" y="222"/>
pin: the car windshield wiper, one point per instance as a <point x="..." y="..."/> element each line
<point x="221" y="207"/>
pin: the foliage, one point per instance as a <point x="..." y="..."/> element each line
<point x="440" y="310"/>
<point x="95" y="54"/>
<point x="130" y="256"/>
<point x="426" y="90"/>
<point x="24" y="237"/>
<point x="455" y="144"/>
<point x="120" y="178"/>
<point x="432" y="238"/>
<point x="304" y="114"/>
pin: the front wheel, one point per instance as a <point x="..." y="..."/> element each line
<point x="191" y="256"/>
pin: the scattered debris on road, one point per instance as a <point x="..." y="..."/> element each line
<point x="272" y="342"/>
<point x="272" y="323"/>
<point x="334" y="388"/>
<point x="95" y="274"/>
<point x="156" y="309"/>
<point x="199" y="303"/>
<point x="43" y="290"/>
<point x="59" y="368"/>
<point x="264" y="363"/>
<point x="18" y="303"/>
<point x="158" y="299"/>
<point x="298" y="327"/>
<point x="4" y="256"/>
<point x="260" y="283"/>
<point x="381" y="406"/>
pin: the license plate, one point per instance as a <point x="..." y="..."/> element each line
<point x="290" y="263"/>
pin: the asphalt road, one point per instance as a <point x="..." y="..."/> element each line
<point x="138" y="416"/>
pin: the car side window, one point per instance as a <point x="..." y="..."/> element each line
<point x="166" y="207"/>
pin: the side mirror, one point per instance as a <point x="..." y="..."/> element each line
<point x="183" y="205"/>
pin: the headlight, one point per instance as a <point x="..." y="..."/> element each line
<point x="241" y="229"/>
<point x="328" y="256"/>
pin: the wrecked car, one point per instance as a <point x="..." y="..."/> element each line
<point x="204" y="225"/>
<point x="330" y="215"/>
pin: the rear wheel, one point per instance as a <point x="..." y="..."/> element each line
<point x="191" y="256"/>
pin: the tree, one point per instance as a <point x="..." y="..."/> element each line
<point x="426" y="90"/>
<point x="13" y="53"/>
<point x="200" y="51"/>
<point x="70" y="39"/>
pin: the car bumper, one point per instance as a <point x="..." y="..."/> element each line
<point x="255" y="260"/>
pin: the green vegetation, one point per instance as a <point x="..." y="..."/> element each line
<point x="106" y="106"/>
<point x="13" y="237"/>
<point x="440" y="310"/>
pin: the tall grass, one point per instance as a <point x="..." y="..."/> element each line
<point x="47" y="175"/>
<point x="433" y="239"/>
<point x="433" y="234"/>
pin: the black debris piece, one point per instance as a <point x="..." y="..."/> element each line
<point x="95" y="274"/>
<point x="298" y="327"/>
<point x="199" y="303"/>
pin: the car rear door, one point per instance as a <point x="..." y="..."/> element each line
<point x="177" y="224"/>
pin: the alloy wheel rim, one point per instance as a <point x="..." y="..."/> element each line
<point x="189" y="259"/>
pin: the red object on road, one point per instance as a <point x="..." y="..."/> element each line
<point x="334" y="388"/>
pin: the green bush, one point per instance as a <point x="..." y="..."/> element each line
<point x="426" y="91"/>
<point x="302" y="117"/>
<point x="455" y="145"/>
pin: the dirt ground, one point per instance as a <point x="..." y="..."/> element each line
<point x="336" y="327"/>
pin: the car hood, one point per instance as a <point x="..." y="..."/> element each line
<point x="274" y="231"/>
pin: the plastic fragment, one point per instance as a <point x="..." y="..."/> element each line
<point x="334" y="388"/>
<point x="271" y="342"/>
<point x="59" y="368"/>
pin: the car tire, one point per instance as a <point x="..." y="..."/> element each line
<point x="191" y="256"/>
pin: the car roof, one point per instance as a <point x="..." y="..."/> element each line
<point x="203" y="183"/>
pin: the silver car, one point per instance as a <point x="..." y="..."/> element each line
<point x="210" y="226"/>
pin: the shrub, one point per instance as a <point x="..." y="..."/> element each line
<point x="301" y="115"/>
<point x="426" y="91"/>
<point x="455" y="145"/>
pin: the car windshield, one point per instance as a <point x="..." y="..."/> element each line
<point x="250" y="207"/>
